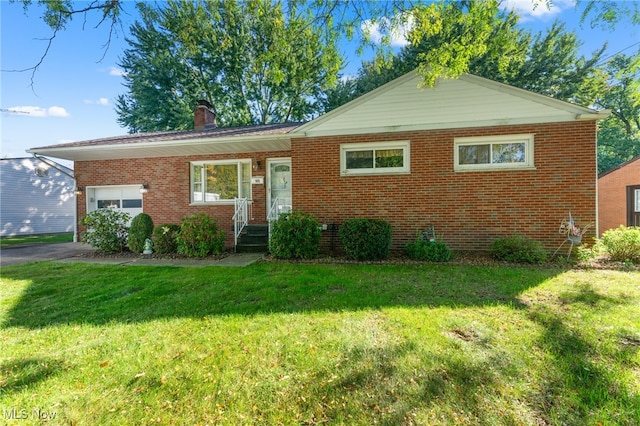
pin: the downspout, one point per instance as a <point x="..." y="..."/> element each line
<point x="75" y="185"/>
<point x="597" y="187"/>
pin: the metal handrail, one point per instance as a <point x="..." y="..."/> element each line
<point x="240" y="219"/>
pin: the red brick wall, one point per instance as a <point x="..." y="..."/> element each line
<point x="612" y="195"/>
<point x="468" y="209"/>
<point x="167" y="200"/>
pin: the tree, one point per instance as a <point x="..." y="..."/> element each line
<point x="619" y="135"/>
<point x="256" y="62"/>
<point x="342" y="17"/>
<point x="58" y="13"/>
<point x="548" y="64"/>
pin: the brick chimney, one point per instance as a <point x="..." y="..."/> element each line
<point x="203" y="116"/>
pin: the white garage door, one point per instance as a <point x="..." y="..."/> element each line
<point x="126" y="198"/>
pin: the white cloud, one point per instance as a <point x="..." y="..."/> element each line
<point x="101" y="101"/>
<point x="35" y="111"/>
<point x="396" y="30"/>
<point x="530" y="10"/>
<point x="348" y="77"/>
<point x="116" y="72"/>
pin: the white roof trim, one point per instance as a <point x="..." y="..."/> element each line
<point x="167" y="148"/>
<point x="565" y="111"/>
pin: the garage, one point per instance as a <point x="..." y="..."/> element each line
<point x="125" y="198"/>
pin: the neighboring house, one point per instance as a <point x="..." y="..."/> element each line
<point x="619" y="196"/>
<point x="475" y="158"/>
<point x="35" y="197"/>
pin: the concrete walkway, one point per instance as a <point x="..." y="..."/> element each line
<point x="73" y="252"/>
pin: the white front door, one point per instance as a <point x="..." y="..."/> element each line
<point x="279" y="198"/>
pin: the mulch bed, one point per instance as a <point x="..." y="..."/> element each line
<point x="469" y="258"/>
<point x="398" y="258"/>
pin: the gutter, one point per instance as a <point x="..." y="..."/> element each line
<point x="75" y="186"/>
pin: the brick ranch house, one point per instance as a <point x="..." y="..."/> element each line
<point x="475" y="158"/>
<point x="619" y="196"/>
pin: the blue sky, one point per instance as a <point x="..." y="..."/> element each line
<point x="73" y="93"/>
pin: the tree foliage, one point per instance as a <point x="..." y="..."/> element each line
<point x="619" y="135"/>
<point x="546" y="63"/>
<point x="257" y="62"/>
<point x="343" y="17"/>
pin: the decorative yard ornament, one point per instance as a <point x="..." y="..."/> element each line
<point x="573" y="233"/>
<point x="148" y="246"/>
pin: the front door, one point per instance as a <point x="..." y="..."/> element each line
<point x="279" y="198"/>
<point x="633" y="205"/>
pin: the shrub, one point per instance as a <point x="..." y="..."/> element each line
<point x="365" y="239"/>
<point x="622" y="244"/>
<point x="165" y="238"/>
<point x="433" y="251"/>
<point x="200" y="236"/>
<point x="295" y="235"/>
<point x="140" y="230"/>
<point x="519" y="249"/>
<point x="106" y="230"/>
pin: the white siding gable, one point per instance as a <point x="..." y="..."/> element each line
<point x="468" y="101"/>
<point x="35" y="198"/>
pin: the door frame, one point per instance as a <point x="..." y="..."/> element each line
<point x="268" y="187"/>
<point x="633" y="218"/>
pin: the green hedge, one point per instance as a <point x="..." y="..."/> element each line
<point x="365" y="239"/>
<point x="432" y="251"/>
<point x="140" y="230"/>
<point x="295" y="235"/>
<point x="165" y="238"/>
<point x="622" y="244"/>
<point x="518" y="249"/>
<point x="200" y="236"/>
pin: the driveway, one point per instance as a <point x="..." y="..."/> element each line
<point x="12" y="255"/>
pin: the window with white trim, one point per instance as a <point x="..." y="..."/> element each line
<point x="493" y="152"/>
<point x="374" y="158"/>
<point x="220" y="181"/>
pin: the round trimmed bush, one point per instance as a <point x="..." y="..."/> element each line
<point x="518" y="249"/>
<point x="295" y="235"/>
<point x="140" y="230"/>
<point x="200" y="236"/>
<point x="432" y="251"/>
<point x="165" y="238"/>
<point x="365" y="239"/>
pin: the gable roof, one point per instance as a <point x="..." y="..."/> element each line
<point x="217" y="140"/>
<point x="399" y="105"/>
<point x="468" y="101"/>
<point x="626" y="163"/>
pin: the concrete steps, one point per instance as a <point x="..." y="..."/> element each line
<point x="254" y="239"/>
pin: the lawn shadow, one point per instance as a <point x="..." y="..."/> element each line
<point x="578" y="384"/>
<point x="19" y="374"/>
<point x="99" y="294"/>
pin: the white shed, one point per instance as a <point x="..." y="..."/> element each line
<point x="36" y="197"/>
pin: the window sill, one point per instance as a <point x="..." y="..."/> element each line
<point x="495" y="169"/>
<point x="352" y="174"/>
<point x="217" y="203"/>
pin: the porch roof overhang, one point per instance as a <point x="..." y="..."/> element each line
<point x="172" y="144"/>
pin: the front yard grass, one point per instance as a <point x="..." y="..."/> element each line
<point x="277" y="343"/>
<point x="66" y="237"/>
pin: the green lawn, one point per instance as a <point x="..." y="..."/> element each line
<point x="37" y="239"/>
<point x="277" y="343"/>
